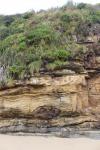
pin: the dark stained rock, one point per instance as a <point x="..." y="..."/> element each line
<point x="70" y="114"/>
<point x="46" y="112"/>
<point x="76" y="67"/>
<point x="90" y="60"/>
<point x="10" y="113"/>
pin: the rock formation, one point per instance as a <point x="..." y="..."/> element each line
<point x="44" y="102"/>
<point x="51" y="101"/>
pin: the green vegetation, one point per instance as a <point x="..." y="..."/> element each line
<point x="56" y="65"/>
<point x="45" y="40"/>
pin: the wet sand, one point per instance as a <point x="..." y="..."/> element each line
<point x="8" y="142"/>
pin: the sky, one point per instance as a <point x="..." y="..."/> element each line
<point x="8" y="7"/>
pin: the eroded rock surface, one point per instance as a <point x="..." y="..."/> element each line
<point x="45" y="102"/>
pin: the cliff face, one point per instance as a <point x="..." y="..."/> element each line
<point x="52" y="62"/>
<point x="51" y="101"/>
<point x="45" y="102"/>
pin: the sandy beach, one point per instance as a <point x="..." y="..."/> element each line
<point x="8" y="142"/>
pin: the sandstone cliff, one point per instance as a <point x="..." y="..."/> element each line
<point x="67" y="98"/>
<point x="47" y="102"/>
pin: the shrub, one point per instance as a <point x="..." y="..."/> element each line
<point x="66" y="18"/>
<point x="56" y="65"/>
<point x="57" y="54"/>
<point x="8" y="20"/>
<point x="21" y="38"/>
<point x="40" y="33"/>
<point x="15" y="71"/>
<point x="81" y="6"/>
<point x="4" y="32"/>
<point x="22" y="46"/>
<point x="94" y="16"/>
<point x="28" y="15"/>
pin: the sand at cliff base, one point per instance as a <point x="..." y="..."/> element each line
<point x="47" y="143"/>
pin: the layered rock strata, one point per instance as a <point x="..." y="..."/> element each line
<point x="44" y="103"/>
